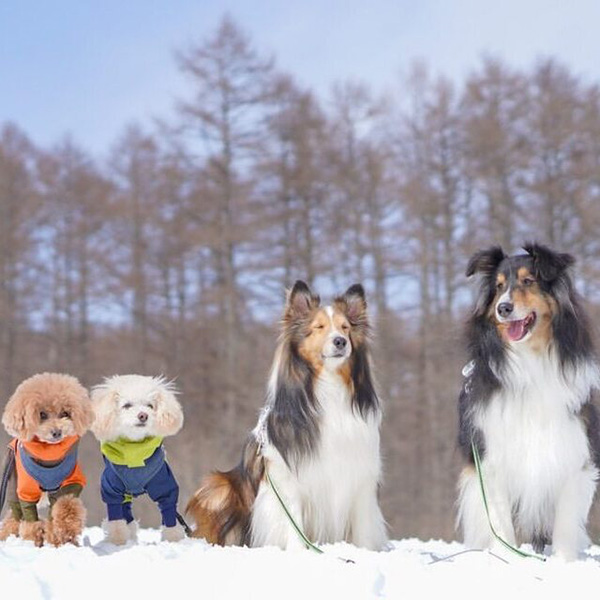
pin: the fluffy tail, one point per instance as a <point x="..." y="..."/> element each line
<point x="222" y="505"/>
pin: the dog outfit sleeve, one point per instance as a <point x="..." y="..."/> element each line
<point x="114" y="494"/>
<point x="163" y="489"/>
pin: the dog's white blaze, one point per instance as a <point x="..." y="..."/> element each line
<point x="537" y="460"/>
<point x="505" y="297"/>
<point x="333" y="493"/>
<point x="333" y="362"/>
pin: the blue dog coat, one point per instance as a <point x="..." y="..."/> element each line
<point x="120" y="483"/>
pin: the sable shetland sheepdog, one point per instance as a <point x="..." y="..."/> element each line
<point x="317" y="436"/>
<point x="527" y="405"/>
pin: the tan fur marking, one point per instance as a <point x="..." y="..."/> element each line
<point x="311" y="348"/>
<point x="213" y="505"/>
<point x="522" y="273"/>
<point x="527" y="299"/>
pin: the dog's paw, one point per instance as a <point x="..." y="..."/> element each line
<point x="172" y="534"/>
<point x="68" y="520"/>
<point x="8" y="527"/>
<point x="116" y="532"/>
<point x="33" y="531"/>
<point x="133" y="530"/>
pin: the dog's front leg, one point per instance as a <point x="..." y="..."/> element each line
<point x="473" y="518"/>
<point x="270" y="526"/>
<point x="367" y="523"/>
<point x="569" y="535"/>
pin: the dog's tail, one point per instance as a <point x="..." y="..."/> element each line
<point x="222" y="505"/>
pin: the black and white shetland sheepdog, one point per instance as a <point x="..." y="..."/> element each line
<point x="317" y="437"/>
<point x="527" y="405"/>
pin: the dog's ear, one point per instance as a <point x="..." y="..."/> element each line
<point x="15" y="417"/>
<point x="104" y="406"/>
<point x="79" y="404"/>
<point x="485" y="261"/>
<point x="547" y="264"/>
<point x="83" y="414"/>
<point x="169" y="414"/>
<point x="300" y="301"/>
<point x="355" y="301"/>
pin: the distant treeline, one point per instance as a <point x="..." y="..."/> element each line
<point x="172" y="255"/>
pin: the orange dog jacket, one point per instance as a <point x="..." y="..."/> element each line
<point x="28" y="488"/>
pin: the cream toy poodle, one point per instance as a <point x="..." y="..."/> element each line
<point x="133" y="415"/>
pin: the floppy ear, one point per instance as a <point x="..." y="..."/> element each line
<point x="83" y="415"/>
<point x="485" y="261"/>
<point x="80" y="406"/>
<point x="548" y="265"/>
<point x="300" y="301"/>
<point x="104" y="405"/>
<point x="15" y="417"/>
<point x="169" y="414"/>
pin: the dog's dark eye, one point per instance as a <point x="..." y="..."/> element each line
<point x="150" y="406"/>
<point x="43" y="415"/>
<point x="127" y="405"/>
<point x="528" y="281"/>
<point x="65" y="414"/>
<point x="345" y="327"/>
<point x="500" y="286"/>
<point x="319" y="326"/>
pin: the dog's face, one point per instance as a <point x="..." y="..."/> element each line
<point x="54" y="425"/>
<point x="520" y="293"/>
<point x="327" y="340"/>
<point x="325" y="335"/>
<point x="135" y="407"/>
<point x="136" y="414"/>
<point x="49" y="407"/>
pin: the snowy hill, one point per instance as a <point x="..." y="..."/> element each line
<point x="154" y="569"/>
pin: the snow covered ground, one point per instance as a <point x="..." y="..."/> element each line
<point x="193" y="569"/>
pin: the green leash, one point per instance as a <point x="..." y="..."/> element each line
<point x="309" y="545"/>
<point x="479" y="470"/>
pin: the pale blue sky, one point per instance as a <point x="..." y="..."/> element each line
<point x="89" y="67"/>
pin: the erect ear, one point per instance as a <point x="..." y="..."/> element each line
<point x="356" y="302"/>
<point x="485" y="261"/>
<point x="547" y="264"/>
<point x="301" y="301"/>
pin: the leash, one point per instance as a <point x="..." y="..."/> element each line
<point x="186" y="527"/>
<point x="8" y="470"/>
<point x="510" y="547"/>
<point x="307" y="543"/>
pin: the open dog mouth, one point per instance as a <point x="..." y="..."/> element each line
<point x="517" y="330"/>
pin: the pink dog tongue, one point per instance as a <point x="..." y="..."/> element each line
<point x="516" y="330"/>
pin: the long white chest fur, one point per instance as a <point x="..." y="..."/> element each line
<point x="534" y="440"/>
<point x="346" y="459"/>
<point x="333" y="491"/>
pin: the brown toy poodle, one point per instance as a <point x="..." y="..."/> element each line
<point x="47" y="415"/>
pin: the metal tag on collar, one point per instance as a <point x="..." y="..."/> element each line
<point x="468" y="369"/>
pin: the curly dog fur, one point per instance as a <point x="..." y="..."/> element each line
<point x="46" y="410"/>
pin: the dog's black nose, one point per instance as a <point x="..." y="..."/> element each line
<point x="339" y="342"/>
<point x="505" y="308"/>
<point x="142" y="417"/>
<point x="56" y="434"/>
